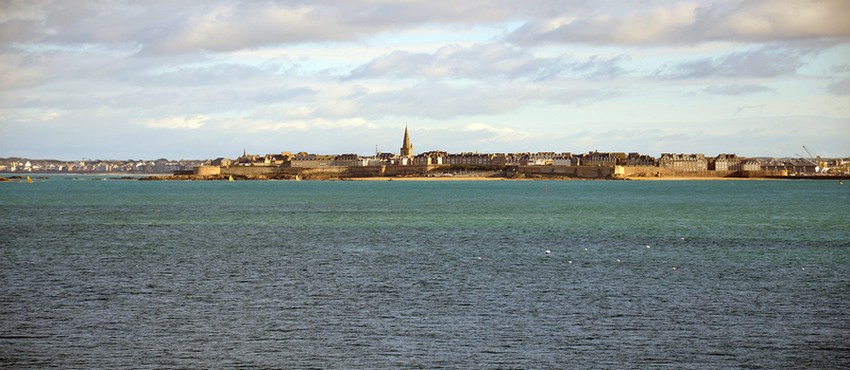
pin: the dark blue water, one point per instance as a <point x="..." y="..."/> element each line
<point x="371" y="275"/>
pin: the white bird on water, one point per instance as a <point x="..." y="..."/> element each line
<point x="548" y="253"/>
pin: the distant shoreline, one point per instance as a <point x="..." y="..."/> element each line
<point x="488" y="178"/>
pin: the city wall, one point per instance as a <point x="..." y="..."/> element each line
<point x="568" y="171"/>
<point x="579" y="172"/>
<point x="661" y="172"/>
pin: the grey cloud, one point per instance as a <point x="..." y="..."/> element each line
<point x="840" y="88"/>
<point x="582" y="97"/>
<point x="840" y="68"/>
<point x="453" y="61"/>
<point x="765" y="61"/>
<point x="163" y="27"/>
<point x="601" y="68"/>
<point x="483" y="61"/>
<point x="737" y="90"/>
<point x="442" y="101"/>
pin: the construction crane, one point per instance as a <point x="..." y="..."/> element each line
<point x="822" y="166"/>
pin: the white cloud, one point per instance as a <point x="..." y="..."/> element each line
<point x="50" y="116"/>
<point x="497" y="134"/>
<point x="178" y="122"/>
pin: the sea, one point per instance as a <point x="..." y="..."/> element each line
<point x="104" y="273"/>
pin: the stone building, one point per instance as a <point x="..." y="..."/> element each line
<point x="750" y="165"/>
<point x="565" y="159"/>
<point x="406" y="147"/>
<point x="312" y="160"/>
<point x="636" y="159"/>
<point x="539" y="159"/>
<point x="468" y="159"/>
<point x="683" y="162"/>
<point x="604" y="159"/>
<point x="510" y="159"/>
<point x="725" y="162"/>
<point x="430" y="158"/>
<point x="350" y="160"/>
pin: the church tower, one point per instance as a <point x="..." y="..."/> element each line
<point x="406" y="146"/>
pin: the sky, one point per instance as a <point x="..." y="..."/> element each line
<point x="204" y="79"/>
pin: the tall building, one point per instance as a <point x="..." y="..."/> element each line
<point x="406" y="146"/>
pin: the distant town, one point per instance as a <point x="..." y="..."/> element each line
<point x="158" y="166"/>
<point x="405" y="163"/>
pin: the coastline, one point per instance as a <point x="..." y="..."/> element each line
<point x="695" y="178"/>
<point x="483" y="178"/>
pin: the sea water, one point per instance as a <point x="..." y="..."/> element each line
<point x="410" y="274"/>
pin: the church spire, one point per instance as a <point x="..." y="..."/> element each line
<point x="406" y="146"/>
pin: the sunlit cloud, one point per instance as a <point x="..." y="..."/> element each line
<point x="178" y="122"/>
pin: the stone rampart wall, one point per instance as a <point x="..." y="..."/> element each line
<point x="207" y="170"/>
<point x="584" y="172"/>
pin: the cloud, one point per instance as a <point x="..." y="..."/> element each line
<point x="689" y="23"/>
<point x="479" y="61"/>
<point x="302" y="125"/>
<point x="745" y="108"/>
<point x="224" y="26"/>
<point x="764" y="61"/>
<point x="443" y="101"/>
<point x="497" y="134"/>
<point x="486" y="61"/>
<point x="602" y="26"/>
<point x="840" y="88"/>
<point x="737" y="90"/>
<point x="840" y="68"/>
<point x="767" y="20"/>
<point x="50" y="116"/>
<point x="178" y="122"/>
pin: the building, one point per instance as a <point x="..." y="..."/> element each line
<point x="539" y="159"/>
<point x="350" y="160"/>
<point x="565" y="159"/>
<point x="312" y="160"/>
<point x="406" y="146"/>
<point x="792" y="166"/>
<point x="683" y="162"/>
<point x="604" y="159"/>
<point x="726" y="162"/>
<point x="635" y="159"/>
<point x="750" y="165"/>
<point x="430" y="158"/>
<point x="468" y="159"/>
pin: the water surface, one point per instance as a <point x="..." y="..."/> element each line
<point x="660" y="274"/>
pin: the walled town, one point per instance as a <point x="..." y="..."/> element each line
<point x="540" y="165"/>
<point x="444" y="165"/>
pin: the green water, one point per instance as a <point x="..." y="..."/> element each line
<point x="658" y="274"/>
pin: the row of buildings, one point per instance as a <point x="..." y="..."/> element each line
<point x="678" y="162"/>
<point x="674" y="161"/>
<point x="98" y="166"/>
